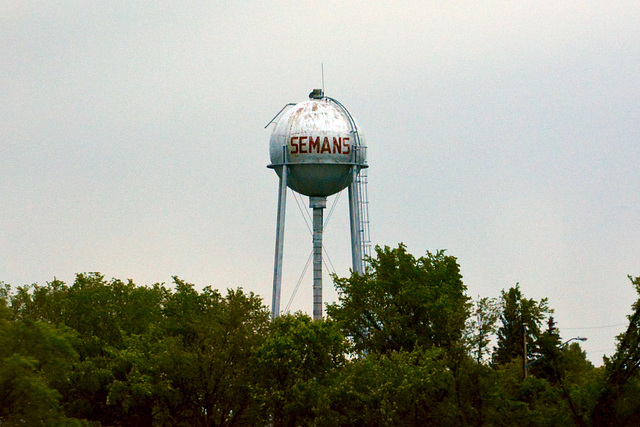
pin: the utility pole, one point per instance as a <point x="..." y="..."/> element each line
<point x="524" y="351"/>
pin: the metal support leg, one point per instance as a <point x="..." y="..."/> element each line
<point x="354" y="216"/>
<point x="317" y="204"/>
<point x="277" y="267"/>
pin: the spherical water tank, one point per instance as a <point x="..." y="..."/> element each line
<point x="320" y="143"/>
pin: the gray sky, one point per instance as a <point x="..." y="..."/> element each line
<point x="132" y="142"/>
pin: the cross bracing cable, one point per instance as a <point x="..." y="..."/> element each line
<point x="330" y="264"/>
<point x="305" y="215"/>
<point x="295" y="290"/>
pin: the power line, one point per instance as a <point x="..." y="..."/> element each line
<point x="602" y="350"/>
<point x="597" y="327"/>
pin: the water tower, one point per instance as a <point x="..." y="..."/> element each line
<point x="317" y="150"/>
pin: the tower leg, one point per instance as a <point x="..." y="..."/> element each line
<point x="277" y="267"/>
<point x="354" y="216"/>
<point x="317" y="204"/>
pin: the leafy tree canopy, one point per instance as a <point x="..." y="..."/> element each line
<point x="521" y="319"/>
<point x="402" y="302"/>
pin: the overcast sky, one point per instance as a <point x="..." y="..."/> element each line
<point x="132" y="142"/>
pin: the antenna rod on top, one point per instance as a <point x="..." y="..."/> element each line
<point x="322" y="69"/>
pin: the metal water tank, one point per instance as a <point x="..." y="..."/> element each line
<point x="320" y="143"/>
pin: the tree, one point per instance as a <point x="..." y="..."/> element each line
<point x="402" y="302"/>
<point x="400" y="388"/>
<point x="547" y="362"/>
<point x="552" y="365"/>
<point x="622" y="375"/>
<point x="102" y="312"/>
<point x="35" y="359"/>
<point x="530" y="402"/>
<point x="193" y="367"/>
<point x="145" y="355"/>
<point x="481" y="326"/>
<point x="292" y="365"/>
<point x="521" y="319"/>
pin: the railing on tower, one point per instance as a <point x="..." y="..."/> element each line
<point x="359" y="190"/>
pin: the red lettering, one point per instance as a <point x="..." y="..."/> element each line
<point x="326" y="146"/>
<point x="311" y="144"/>
<point x="314" y="144"/>
<point x="337" y="145"/>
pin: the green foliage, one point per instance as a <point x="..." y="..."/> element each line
<point x="209" y="352"/>
<point x="481" y="326"/>
<point x="35" y="361"/>
<point x="402" y="346"/>
<point x="615" y="404"/>
<point x="102" y="312"/>
<point x="548" y="362"/>
<point x="520" y="319"/>
<point x="25" y="396"/>
<point x="574" y="365"/>
<point x="138" y="355"/>
<point x="398" y="388"/>
<point x="402" y="302"/>
<point x="530" y="402"/>
<point x="291" y="366"/>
